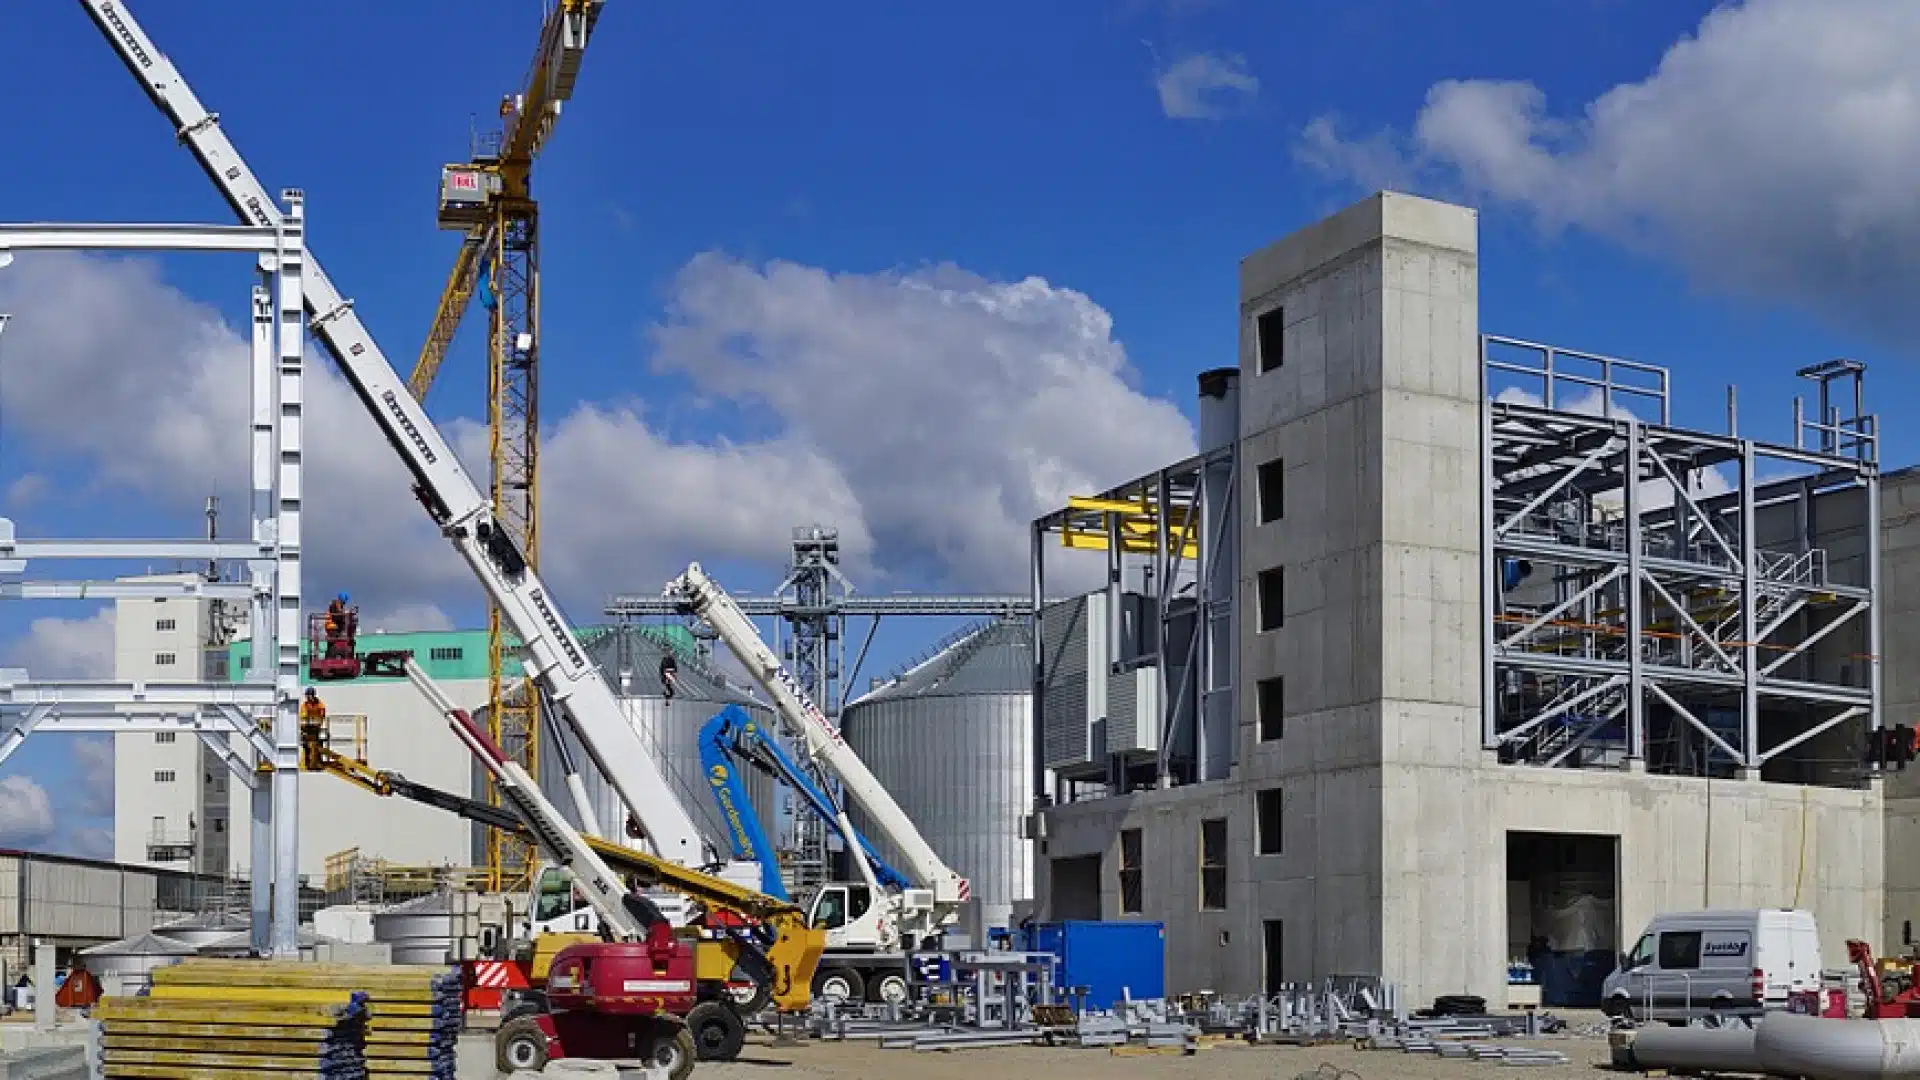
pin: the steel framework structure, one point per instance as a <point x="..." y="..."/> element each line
<point x="490" y="198"/>
<point x="812" y="605"/>
<point x="262" y="709"/>
<point x="1647" y="611"/>
<point x="1177" y="523"/>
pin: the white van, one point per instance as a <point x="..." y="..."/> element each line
<point x="1697" y="963"/>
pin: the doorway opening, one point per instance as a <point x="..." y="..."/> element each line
<point x="1563" y="924"/>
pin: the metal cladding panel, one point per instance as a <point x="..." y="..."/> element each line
<point x="1063" y="638"/>
<point x="68" y="900"/>
<point x="961" y="769"/>
<point x="951" y="740"/>
<point x="10" y="871"/>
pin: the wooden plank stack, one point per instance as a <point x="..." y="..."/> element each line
<point x="411" y="1016"/>
<point x="315" y="1034"/>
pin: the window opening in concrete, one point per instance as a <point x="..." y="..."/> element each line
<point x="1272" y="708"/>
<point x="1213" y="864"/>
<point x="163" y="659"/>
<point x="1273" y="950"/>
<point x="1074" y="887"/>
<point x="164" y="736"/>
<point x="1273" y="598"/>
<point x="1270" y="821"/>
<point x="1130" y="864"/>
<point x="1270" y="334"/>
<point x="165" y="624"/>
<point x="163" y="776"/>
<point x="1563" y="925"/>
<point x="1273" y="490"/>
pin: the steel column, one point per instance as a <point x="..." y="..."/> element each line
<point x="1490" y="567"/>
<point x="1749" y="605"/>
<point x="289" y="403"/>
<point x="1636" y="614"/>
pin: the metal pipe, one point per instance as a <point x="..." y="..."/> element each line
<point x="1728" y="1049"/>
<point x="1790" y="1044"/>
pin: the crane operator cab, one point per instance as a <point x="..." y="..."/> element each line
<point x="841" y="909"/>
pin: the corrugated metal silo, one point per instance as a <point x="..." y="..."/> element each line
<point x="631" y="660"/>
<point x="951" y="739"/>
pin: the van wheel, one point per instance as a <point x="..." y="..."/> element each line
<point x="1617" y="1008"/>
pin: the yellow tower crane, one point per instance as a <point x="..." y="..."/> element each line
<point x="490" y="199"/>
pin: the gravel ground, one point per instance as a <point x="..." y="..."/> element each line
<point x="1229" y="1061"/>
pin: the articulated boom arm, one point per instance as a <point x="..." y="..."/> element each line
<point x="732" y="736"/>
<point x="551" y="651"/>
<point x="703" y="596"/>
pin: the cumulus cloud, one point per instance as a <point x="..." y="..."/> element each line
<point x="26" y="814"/>
<point x="929" y="415"/>
<point x="1201" y="85"/>
<point x="66" y="648"/>
<point x="89" y="843"/>
<point x="950" y="409"/>
<point x="406" y="618"/>
<point x="1769" y="153"/>
<point x="93" y="760"/>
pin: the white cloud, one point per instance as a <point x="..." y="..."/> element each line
<point x="64" y="648"/>
<point x="928" y="415"/>
<point x="26" y="814"/>
<point x="93" y="759"/>
<point x="1769" y="153"/>
<point x="406" y="618"/>
<point x="90" y="843"/>
<point x="950" y="409"/>
<point x="1202" y="85"/>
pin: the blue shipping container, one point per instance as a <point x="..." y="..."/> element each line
<point x="1110" y="959"/>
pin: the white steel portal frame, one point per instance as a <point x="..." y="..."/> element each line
<point x="263" y="708"/>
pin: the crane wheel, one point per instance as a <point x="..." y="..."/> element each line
<point x="839" y="984"/>
<point x="749" y="1003"/>
<point x="520" y="1044"/>
<point x="717" y="1031"/>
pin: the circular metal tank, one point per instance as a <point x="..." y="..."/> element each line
<point x="125" y="967"/>
<point x="951" y="739"/>
<point x="419" y="931"/>
<point x="204" y="929"/>
<point x="630" y="657"/>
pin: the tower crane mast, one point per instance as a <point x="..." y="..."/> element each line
<point x="490" y="199"/>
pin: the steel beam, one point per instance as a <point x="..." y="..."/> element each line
<point x="18" y="692"/>
<point x="196" y="589"/>
<point x="110" y="236"/>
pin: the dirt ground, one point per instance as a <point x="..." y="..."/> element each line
<point x="861" y="1060"/>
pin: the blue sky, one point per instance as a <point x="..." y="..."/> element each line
<point x="800" y="178"/>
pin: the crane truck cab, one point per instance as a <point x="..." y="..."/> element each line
<point x="1696" y="964"/>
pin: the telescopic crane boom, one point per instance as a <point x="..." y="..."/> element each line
<point x="940" y="889"/>
<point x="551" y="653"/>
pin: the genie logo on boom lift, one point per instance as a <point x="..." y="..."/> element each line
<point x="121" y="31"/>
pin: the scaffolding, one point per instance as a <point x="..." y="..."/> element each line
<point x="1670" y="600"/>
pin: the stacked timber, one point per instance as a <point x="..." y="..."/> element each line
<point x="413" y="1014"/>
<point x="312" y="1034"/>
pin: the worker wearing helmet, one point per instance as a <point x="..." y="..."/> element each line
<point x="313" y="719"/>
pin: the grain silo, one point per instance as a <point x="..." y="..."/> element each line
<point x="951" y="739"/>
<point x="630" y="657"/>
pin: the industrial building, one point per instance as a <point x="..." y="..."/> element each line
<point x="1450" y="651"/>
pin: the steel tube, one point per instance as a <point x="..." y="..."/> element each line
<point x="1725" y="1049"/>
<point x="1789" y="1044"/>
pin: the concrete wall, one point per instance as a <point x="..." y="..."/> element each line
<point x="1900" y="695"/>
<point x="1394" y="854"/>
<point x="405" y="736"/>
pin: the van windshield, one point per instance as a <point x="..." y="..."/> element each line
<point x="1642" y="953"/>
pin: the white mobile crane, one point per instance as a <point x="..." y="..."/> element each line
<point x="870" y="930"/>
<point x="551" y="652"/>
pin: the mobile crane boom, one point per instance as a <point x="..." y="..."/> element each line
<point x="698" y="593"/>
<point x="551" y="652"/>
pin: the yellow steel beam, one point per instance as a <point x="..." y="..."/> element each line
<point x="1095" y="541"/>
